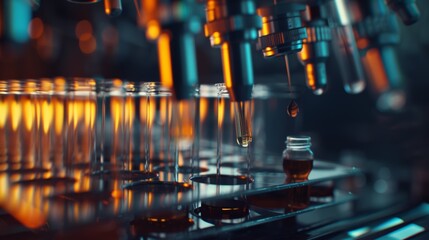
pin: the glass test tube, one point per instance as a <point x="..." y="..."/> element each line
<point x="4" y="109"/>
<point x="80" y="135"/>
<point x="155" y="118"/>
<point x="208" y="97"/>
<point x="30" y="146"/>
<point x="58" y="124"/>
<point x="45" y="109"/>
<point x="345" y="47"/>
<point x="21" y="124"/>
<point x="225" y="113"/>
<point x="227" y="117"/>
<point x="110" y="130"/>
<point x="183" y="138"/>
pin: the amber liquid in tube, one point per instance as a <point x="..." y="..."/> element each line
<point x="297" y="169"/>
<point x="243" y="122"/>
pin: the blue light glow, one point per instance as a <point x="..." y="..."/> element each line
<point x="404" y="233"/>
<point x="358" y="232"/>
<point x="388" y="224"/>
<point x="19" y="16"/>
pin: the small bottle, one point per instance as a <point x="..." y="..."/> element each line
<point x="298" y="158"/>
<point x="297" y="165"/>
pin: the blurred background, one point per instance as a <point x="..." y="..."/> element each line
<point x="62" y="39"/>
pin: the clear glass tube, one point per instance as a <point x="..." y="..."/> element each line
<point x="345" y="47"/>
<point x="80" y="133"/>
<point x="45" y="107"/>
<point x="58" y="124"/>
<point x="221" y="110"/>
<point x="4" y="109"/>
<point x="110" y="127"/>
<point x="182" y="132"/>
<point x="208" y="97"/>
<point x="21" y="124"/>
<point x="155" y="117"/>
<point x="243" y="122"/>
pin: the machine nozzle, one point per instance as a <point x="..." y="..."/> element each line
<point x="316" y="77"/>
<point x="282" y="31"/>
<point x="407" y="10"/>
<point x="172" y="25"/>
<point x="113" y="7"/>
<point x="232" y="26"/>
<point x="237" y="69"/>
<point x="345" y="47"/>
<point x="315" y="51"/>
<point x="84" y="1"/>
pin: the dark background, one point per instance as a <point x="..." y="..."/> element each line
<point x="393" y="147"/>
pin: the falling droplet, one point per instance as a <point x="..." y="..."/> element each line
<point x="293" y="109"/>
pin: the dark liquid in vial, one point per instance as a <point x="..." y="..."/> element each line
<point x="164" y="221"/>
<point x="291" y="199"/>
<point x="297" y="169"/>
<point x="224" y="209"/>
<point x="297" y="198"/>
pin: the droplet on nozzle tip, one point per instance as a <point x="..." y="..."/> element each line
<point x="244" y="141"/>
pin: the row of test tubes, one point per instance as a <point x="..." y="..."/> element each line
<point x="131" y="131"/>
<point x="67" y="145"/>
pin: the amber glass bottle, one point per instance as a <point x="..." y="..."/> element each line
<point x="298" y="157"/>
<point x="297" y="165"/>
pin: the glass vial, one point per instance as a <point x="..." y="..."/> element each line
<point x="298" y="157"/>
<point x="345" y="46"/>
<point x="297" y="165"/>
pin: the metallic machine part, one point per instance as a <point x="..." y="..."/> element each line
<point x="232" y="26"/>
<point x="345" y="46"/>
<point x="315" y="51"/>
<point x="407" y="10"/>
<point x="377" y="32"/>
<point x="111" y="7"/>
<point x="15" y="16"/>
<point x="84" y="1"/>
<point x="282" y="30"/>
<point x="172" y="25"/>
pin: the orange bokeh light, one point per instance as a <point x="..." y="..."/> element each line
<point x="36" y="28"/>
<point x="83" y="27"/>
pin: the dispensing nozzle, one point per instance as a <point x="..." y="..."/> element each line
<point x="232" y="26"/>
<point x="113" y="7"/>
<point x="407" y="10"/>
<point x="345" y="47"/>
<point x="282" y="31"/>
<point x="172" y="25"/>
<point x="315" y="50"/>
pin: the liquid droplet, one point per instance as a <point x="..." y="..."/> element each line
<point x="293" y="109"/>
<point x="244" y="141"/>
